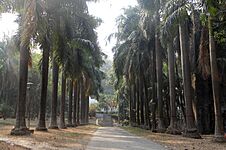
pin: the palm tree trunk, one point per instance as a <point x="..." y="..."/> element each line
<point x="154" y="99"/>
<point x="78" y="103"/>
<point x="53" y="119"/>
<point x="191" y="130"/>
<point x="20" y="126"/>
<point x="130" y="105"/>
<point x="141" y="99"/>
<point x="146" y="98"/>
<point x="82" y="104"/>
<point x="134" y="104"/>
<point x="160" y="125"/>
<point x="172" y="129"/>
<point x="158" y="52"/>
<point x="44" y="87"/>
<point x="219" y="129"/>
<point x="86" y="110"/>
<point x="137" y="103"/>
<point x="70" y="104"/>
<point x="62" y="104"/>
<point x="75" y="105"/>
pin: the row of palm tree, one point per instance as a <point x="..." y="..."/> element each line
<point x="166" y="61"/>
<point x="65" y="32"/>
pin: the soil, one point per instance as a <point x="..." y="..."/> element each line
<point x="10" y="146"/>
<point x="66" y="139"/>
<point x="178" y="142"/>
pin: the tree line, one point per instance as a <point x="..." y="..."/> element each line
<point x="169" y="61"/>
<point x="64" y="31"/>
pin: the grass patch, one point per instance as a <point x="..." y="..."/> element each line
<point x="136" y="131"/>
<point x="69" y="134"/>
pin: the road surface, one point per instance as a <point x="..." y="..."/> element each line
<point x="114" y="138"/>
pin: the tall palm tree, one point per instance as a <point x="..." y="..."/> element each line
<point x="191" y="130"/>
<point x="173" y="119"/>
<point x="28" y="27"/>
<point x="219" y="129"/>
<point x="176" y="12"/>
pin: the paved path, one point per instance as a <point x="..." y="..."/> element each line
<point x="113" y="138"/>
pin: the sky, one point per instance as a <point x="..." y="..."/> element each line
<point x="107" y="10"/>
<point x="8" y="26"/>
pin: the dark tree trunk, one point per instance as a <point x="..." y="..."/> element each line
<point x="44" y="88"/>
<point x="82" y="104"/>
<point x="87" y="110"/>
<point x="130" y="105"/>
<point x="75" y="104"/>
<point x="146" y="101"/>
<point x="62" y="104"/>
<point x="78" y="103"/>
<point x="153" y="104"/>
<point x="137" y="103"/>
<point x="219" y="129"/>
<point x="134" y="104"/>
<point x="172" y="129"/>
<point x="141" y="99"/>
<point x="53" y="119"/>
<point x="191" y="130"/>
<point x="70" y="104"/>
<point x="20" y="126"/>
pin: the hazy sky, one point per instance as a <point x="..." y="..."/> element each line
<point x="8" y="26"/>
<point x="107" y="10"/>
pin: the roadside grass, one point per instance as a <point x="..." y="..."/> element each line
<point x="177" y="142"/>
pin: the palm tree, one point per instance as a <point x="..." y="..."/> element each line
<point x="172" y="129"/>
<point x="178" y="14"/>
<point x="191" y="130"/>
<point x="219" y="129"/>
<point x="28" y="27"/>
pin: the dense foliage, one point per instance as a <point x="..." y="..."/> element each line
<point x="170" y="66"/>
<point x="64" y="32"/>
